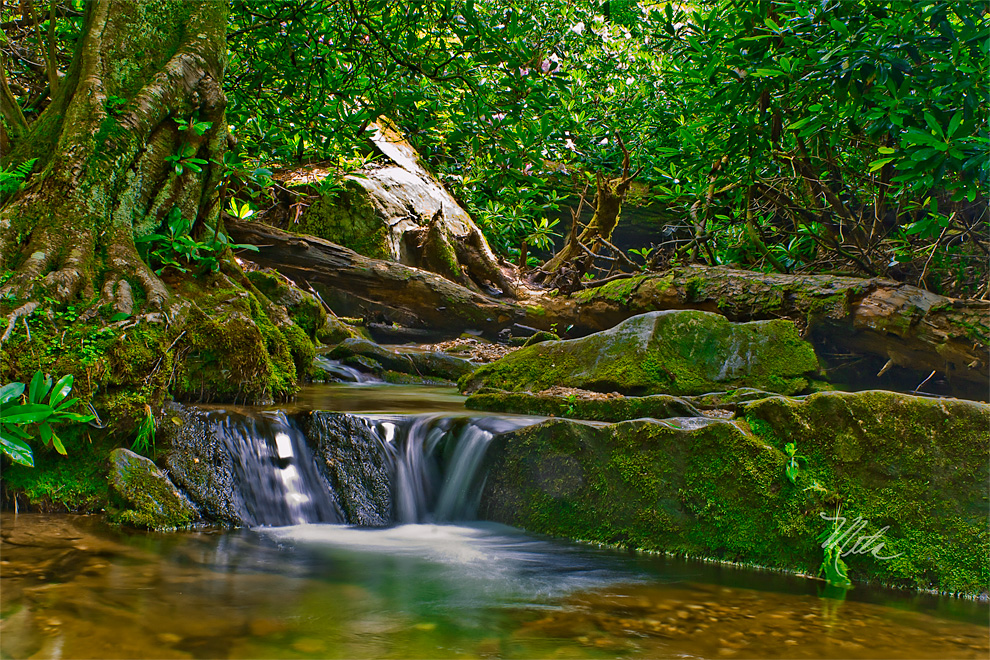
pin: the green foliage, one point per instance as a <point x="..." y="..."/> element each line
<point x="186" y="159"/>
<point x="33" y="417"/>
<point x="178" y="250"/>
<point x="833" y="568"/>
<point x="145" y="438"/>
<point x="12" y="178"/>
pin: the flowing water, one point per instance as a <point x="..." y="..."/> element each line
<point x="424" y="581"/>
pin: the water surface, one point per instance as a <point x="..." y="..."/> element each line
<point x="76" y="588"/>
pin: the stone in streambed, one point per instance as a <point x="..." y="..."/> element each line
<point x="669" y="352"/>
<point x="152" y="499"/>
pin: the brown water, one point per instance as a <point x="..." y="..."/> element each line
<point x="74" y="588"/>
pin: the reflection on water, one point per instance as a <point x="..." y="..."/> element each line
<point x="74" y="588"/>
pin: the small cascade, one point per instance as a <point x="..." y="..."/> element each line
<point x="276" y="478"/>
<point x="273" y="469"/>
<point x="342" y="372"/>
<point x="437" y="464"/>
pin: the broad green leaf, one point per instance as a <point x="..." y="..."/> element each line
<point x="10" y="392"/>
<point x="60" y="390"/>
<point x="18" y="450"/>
<point x="57" y="443"/>
<point x="877" y="164"/>
<point x="26" y="414"/>
<point x="40" y="384"/>
<point x="954" y="123"/>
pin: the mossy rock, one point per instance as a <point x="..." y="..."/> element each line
<point x="668" y="352"/>
<point x="916" y="465"/>
<point x="152" y="500"/>
<point x="698" y="487"/>
<point x="914" y="469"/>
<point x="660" y="406"/>
<point x="539" y="338"/>
<point x="348" y="217"/>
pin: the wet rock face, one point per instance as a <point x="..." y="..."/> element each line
<point x="912" y="469"/>
<point x="669" y="352"/>
<point x="201" y="464"/>
<point x="355" y="463"/>
<point x="152" y="499"/>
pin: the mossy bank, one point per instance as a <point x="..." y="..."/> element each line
<point x="913" y="469"/>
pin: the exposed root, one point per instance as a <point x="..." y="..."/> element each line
<point x="19" y="313"/>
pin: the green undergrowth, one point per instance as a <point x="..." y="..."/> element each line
<point x="77" y="482"/>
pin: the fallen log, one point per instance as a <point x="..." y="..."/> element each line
<point x="870" y="332"/>
<point x="883" y="324"/>
<point x="377" y="290"/>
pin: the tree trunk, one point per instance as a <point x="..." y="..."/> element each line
<point x="609" y="195"/>
<point x="142" y="71"/>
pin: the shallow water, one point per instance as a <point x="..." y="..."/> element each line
<point x="76" y="588"/>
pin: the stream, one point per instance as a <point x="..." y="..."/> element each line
<point x="421" y="579"/>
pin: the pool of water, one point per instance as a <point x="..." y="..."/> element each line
<point x="74" y="587"/>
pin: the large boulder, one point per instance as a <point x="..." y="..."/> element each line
<point x="373" y="210"/>
<point x="913" y="469"/>
<point x="151" y="500"/>
<point x="668" y="352"/>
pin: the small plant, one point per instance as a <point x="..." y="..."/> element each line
<point x="34" y="416"/>
<point x="571" y="403"/>
<point x="197" y="127"/>
<point x="642" y="253"/>
<point x="794" y="460"/>
<point x="145" y="438"/>
<point x="834" y="569"/>
<point x="177" y="249"/>
<point x="186" y="160"/>
<point x="114" y="105"/>
<point x="11" y="179"/>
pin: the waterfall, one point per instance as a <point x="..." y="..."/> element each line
<point x="275" y="469"/>
<point x="250" y="469"/>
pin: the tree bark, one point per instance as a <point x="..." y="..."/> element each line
<point x="142" y="71"/>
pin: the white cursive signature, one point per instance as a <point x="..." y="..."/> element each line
<point x="864" y="544"/>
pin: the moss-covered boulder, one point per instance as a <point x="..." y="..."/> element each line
<point x="150" y="499"/>
<point x="915" y="470"/>
<point x="915" y="465"/>
<point x="669" y="352"/>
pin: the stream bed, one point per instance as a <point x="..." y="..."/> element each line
<point x="74" y="587"/>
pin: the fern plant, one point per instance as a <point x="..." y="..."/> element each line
<point x="12" y="178"/>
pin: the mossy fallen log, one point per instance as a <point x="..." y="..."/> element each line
<point x="871" y="332"/>
<point x="377" y="290"/>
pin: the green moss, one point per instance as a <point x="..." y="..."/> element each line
<point x="685" y="352"/>
<point x="659" y="406"/>
<point x="76" y="482"/>
<point x="349" y="219"/>
<point x="712" y="489"/>
<point x="148" y="498"/>
<point x="618" y="290"/>
<point x="705" y="490"/>
<point x="913" y="464"/>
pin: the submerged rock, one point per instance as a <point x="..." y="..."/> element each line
<point x="152" y="499"/>
<point x="913" y="469"/>
<point x="611" y="409"/>
<point x="669" y="352"/>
